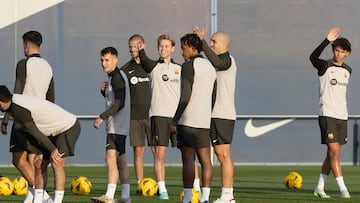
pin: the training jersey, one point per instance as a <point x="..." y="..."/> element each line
<point x="197" y="80"/>
<point x="165" y="85"/>
<point x="139" y="82"/>
<point x="40" y="118"/>
<point x="333" y="84"/>
<point x="117" y="96"/>
<point x="34" y="77"/>
<point x="224" y="107"/>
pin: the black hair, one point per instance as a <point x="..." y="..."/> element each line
<point x="110" y="50"/>
<point x="343" y="43"/>
<point x="137" y="36"/>
<point x="33" y="37"/>
<point x="192" y="40"/>
<point x="5" y="94"/>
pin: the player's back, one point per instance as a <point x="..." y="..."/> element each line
<point x="38" y="77"/>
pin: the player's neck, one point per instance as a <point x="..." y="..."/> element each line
<point x="167" y="60"/>
<point x="32" y="52"/>
<point x="338" y="63"/>
<point x="137" y="60"/>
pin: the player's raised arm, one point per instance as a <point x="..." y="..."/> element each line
<point x="333" y="34"/>
<point x="199" y="32"/>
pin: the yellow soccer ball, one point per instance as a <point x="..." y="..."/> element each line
<point x="148" y="187"/>
<point x="6" y="186"/>
<point x="81" y="185"/>
<point x="20" y="186"/>
<point x="293" y="180"/>
<point x="195" y="196"/>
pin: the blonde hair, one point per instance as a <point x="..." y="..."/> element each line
<point x="167" y="37"/>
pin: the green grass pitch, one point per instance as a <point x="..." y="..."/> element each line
<point x="252" y="184"/>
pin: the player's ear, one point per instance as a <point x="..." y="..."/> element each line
<point x="25" y="44"/>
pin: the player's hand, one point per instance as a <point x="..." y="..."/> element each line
<point x="103" y="86"/>
<point x="333" y="34"/>
<point x="56" y="156"/>
<point x="173" y="129"/>
<point x="98" y="122"/>
<point x="3" y="129"/>
<point x="198" y="32"/>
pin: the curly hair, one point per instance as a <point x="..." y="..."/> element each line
<point x="192" y="40"/>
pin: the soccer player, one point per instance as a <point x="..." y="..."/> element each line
<point x="140" y="92"/>
<point x="117" y="115"/>
<point x="55" y="132"/>
<point x="224" y="113"/>
<point x="334" y="77"/>
<point x="34" y="76"/>
<point x="193" y="115"/>
<point x="165" y="84"/>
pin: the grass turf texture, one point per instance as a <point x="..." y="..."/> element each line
<point x="252" y="184"/>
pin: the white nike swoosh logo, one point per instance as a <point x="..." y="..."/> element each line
<point x="255" y="131"/>
<point x="131" y="71"/>
<point x="22" y="9"/>
<point x="12" y="146"/>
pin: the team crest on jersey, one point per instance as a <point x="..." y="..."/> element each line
<point x="330" y="136"/>
<point x="177" y="72"/>
<point x="345" y="75"/>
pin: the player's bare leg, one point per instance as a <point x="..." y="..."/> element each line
<point x="227" y="172"/>
<point x="24" y="162"/>
<point x="60" y="179"/>
<point x="159" y="169"/>
<point x="113" y="172"/>
<point x="204" y="157"/>
<point x="196" y="184"/>
<point x="124" y="178"/>
<point x="188" y="171"/>
<point x="331" y="163"/>
<point x="227" y="167"/>
<point x="334" y="159"/>
<point x="113" y="177"/>
<point x="139" y="163"/>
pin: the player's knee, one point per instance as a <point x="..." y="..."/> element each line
<point x="222" y="156"/>
<point x="334" y="154"/>
<point x="59" y="165"/>
<point x="18" y="159"/>
<point x="138" y="153"/>
<point x="38" y="163"/>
